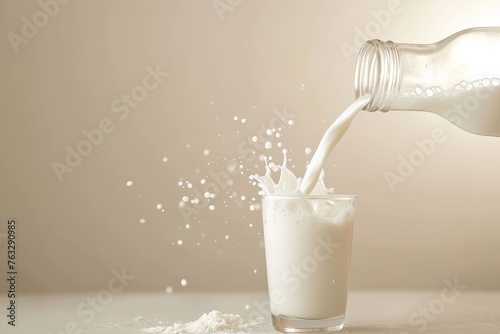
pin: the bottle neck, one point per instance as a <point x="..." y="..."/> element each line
<point x="378" y="73"/>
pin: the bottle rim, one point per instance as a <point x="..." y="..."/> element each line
<point x="378" y="73"/>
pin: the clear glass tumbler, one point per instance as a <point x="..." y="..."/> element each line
<point x="308" y="252"/>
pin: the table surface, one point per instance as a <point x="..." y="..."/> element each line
<point x="368" y="312"/>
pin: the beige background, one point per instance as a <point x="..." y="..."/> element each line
<point x="441" y="223"/>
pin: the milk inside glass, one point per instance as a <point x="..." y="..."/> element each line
<point x="308" y="251"/>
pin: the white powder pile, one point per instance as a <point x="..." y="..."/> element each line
<point x="208" y="323"/>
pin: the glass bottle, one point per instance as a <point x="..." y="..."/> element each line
<point x="457" y="78"/>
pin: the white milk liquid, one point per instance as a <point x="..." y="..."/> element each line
<point x="332" y="136"/>
<point x="308" y="240"/>
<point x="308" y="253"/>
<point x="470" y="105"/>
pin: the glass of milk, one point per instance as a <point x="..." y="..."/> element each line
<point x="308" y="252"/>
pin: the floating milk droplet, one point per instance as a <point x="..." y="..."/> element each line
<point x="255" y="271"/>
<point x="188" y="226"/>
<point x="252" y="207"/>
<point x="269" y="132"/>
<point x="277" y="135"/>
<point x="165" y="159"/>
<point x="169" y="290"/>
<point x="184" y="282"/>
<point x="291" y="122"/>
<point x="308" y="150"/>
<point x="243" y="120"/>
<point x="268" y="145"/>
<point x="280" y="144"/>
<point x="206" y="152"/>
<point x="130" y="183"/>
<point x="247" y="307"/>
<point x="203" y="181"/>
<point x="159" y="206"/>
<point x="185" y="198"/>
<point x="255" y="138"/>
<point x="180" y="242"/>
<point x="231" y="166"/>
<point x="180" y="183"/>
<point x="142" y="221"/>
<point x="207" y="195"/>
<point x="211" y="207"/>
<point x="226" y="236"/>
<point x="235" y="118"/>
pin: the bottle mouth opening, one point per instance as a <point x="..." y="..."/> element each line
<point x="377" y="73"/>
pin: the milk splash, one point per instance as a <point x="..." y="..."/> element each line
<point x="313" y="181"/>
<point x="288" y="183"/>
